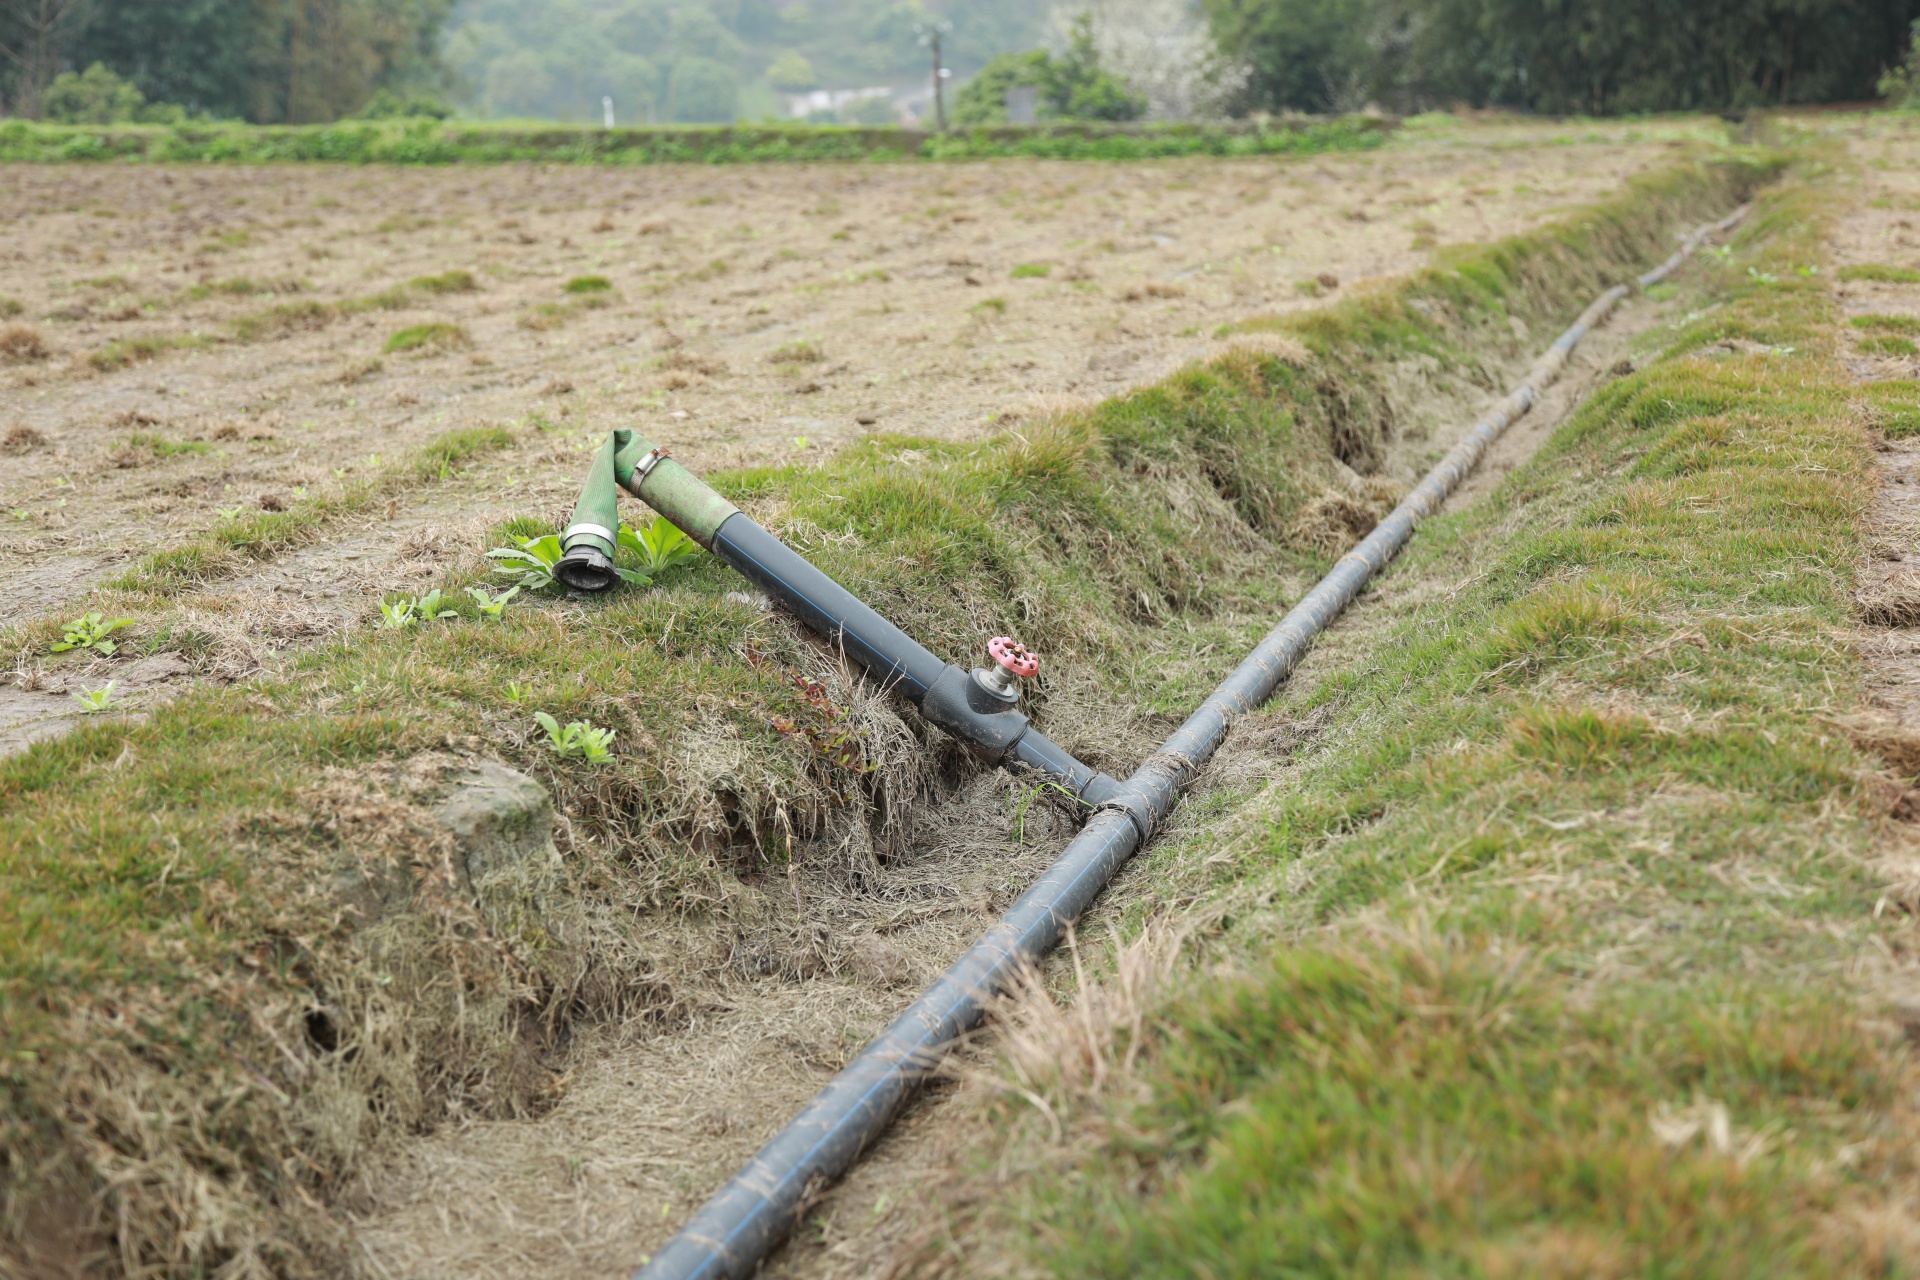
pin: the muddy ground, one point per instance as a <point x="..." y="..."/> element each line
<point x="902" y="277"/>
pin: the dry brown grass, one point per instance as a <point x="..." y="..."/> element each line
<point x="22" y="343"/>
<point x="22" y="438"/>
<point x="1892" y="601"/>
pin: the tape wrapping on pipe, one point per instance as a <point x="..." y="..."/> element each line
<point x="733" y="1231"/>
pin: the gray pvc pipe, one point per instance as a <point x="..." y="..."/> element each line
<point x="747" y="1217"/>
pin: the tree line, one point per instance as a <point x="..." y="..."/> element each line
<point x="1596" y="57"/>
<point x="299" y="61"/>
<point x="269" y="61"/>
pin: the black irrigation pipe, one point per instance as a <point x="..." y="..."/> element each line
<point x="734" y="1231"/>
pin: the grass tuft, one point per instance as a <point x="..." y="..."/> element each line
<point x="22" y="343"/>
<point x="1880" y="273"/>
<point x="798" y="352"/>
<point x="425" y="338"/>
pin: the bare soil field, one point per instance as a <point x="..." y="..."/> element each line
<point x="207" y="339"/>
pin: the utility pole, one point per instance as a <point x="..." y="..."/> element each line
<point x="930" y="34"/>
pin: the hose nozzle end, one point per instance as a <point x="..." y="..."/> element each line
<point x="585" y="568"/>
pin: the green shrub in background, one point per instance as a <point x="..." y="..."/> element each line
<point x="1901" y="85"/>
<point x="98" y="96"/>
<point x="1073" y="86"/>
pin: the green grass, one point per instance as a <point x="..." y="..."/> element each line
<point x="437" y="336"/>
<point x="231" y="545"/>
<point x="1565" y="919"/>
<point x="1032" y="271"/>
<point x="1887" y="345"/>
<point x="1895" y="406"/>
<point x="430" y="142"/>
<point x="161" y="447"/>
<point x="1880" y="273"/>
<point x="122" y="352"/>
<point x="286" y="318"/>
<point x="180" y="868"/>
<point x="588" y="284"/>
<point x="1887" y="324"/>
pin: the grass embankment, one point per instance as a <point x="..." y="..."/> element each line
<point x="430" y="142"/>
<point x="1556" y="947"/>
<point x="234" y="956"/>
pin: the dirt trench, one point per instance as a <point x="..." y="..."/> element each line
<point x="652" y="1125"/>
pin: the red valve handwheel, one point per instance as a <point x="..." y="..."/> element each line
<point x="1014" y="656"/>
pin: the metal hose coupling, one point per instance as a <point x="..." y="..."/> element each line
<point x="586" y="562"/>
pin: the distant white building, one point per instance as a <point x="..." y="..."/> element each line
<point x="818" y="101"/>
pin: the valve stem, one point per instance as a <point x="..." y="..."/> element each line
<point x="1012" y="662"/>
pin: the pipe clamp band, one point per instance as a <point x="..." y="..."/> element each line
<point x="593" y="530"/>
<point x="645" y="466"/>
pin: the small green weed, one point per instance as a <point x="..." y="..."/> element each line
<point x="398" y="615"/>
<point x="998" y="306"/>
<point x="409" y="611"/>
<point x="434" y="606"/>
<point x="490" y="605"/>
<point x="94" y="701"/>
<point x="438" y="336"/>
<point x="1033" y="271"/>
<point x="588" y="284"/>
<point x="660" y="546"/>
<point x="577" y="740"/>
<point x="531" y="562"/>
<point x="91" y="632"/>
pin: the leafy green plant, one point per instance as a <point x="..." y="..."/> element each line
<point x="577" y="740"/>
<point x="660" y="546"/>
<point x="489" y="604"/>
<point x="409" y="611"/>
<point x="434" y="606"/>
<point x="91" y="632"/>
<point x="531" y="562"/>
<point x="94" y="701"/>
